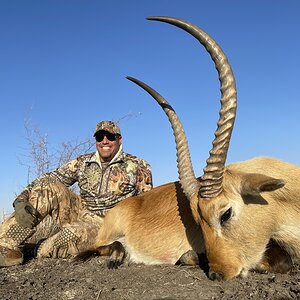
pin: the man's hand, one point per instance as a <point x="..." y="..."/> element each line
<point x="26" y="215"/>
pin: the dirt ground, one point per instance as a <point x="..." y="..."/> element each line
<point x="64" y="279"/>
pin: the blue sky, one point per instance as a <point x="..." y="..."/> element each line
<point x="63" y="66"/>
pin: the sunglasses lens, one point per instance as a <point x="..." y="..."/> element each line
<point x="111" y="137"/>
<point x="99" y="137"/>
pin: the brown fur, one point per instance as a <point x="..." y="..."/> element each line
<point x="239" y="210"/>
<point x="159" y="227"/>
<point x="275" y="260"/>
<point x="239" y="244"/>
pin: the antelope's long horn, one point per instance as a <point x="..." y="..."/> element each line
<point x="212" y="179"/>
<point x="188" y="181"/>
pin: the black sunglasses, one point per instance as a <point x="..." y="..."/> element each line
<point x="110" y="136"/>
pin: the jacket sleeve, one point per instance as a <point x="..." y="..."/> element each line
<point x="144" y="178"/>
<point x="66" y="174"/>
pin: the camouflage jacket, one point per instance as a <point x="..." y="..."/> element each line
<point x="101" y="188"/>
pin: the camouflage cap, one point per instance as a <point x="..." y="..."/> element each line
<point x="109" y="126"/>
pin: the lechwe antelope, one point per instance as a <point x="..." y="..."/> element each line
<point x="247" y="213"/>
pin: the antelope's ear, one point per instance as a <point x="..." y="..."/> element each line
<point x="253" y="184"/>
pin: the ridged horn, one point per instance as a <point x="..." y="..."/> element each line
<point x="188" y="181"/>
<point x="212" y="179"/>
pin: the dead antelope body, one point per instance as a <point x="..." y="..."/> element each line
<point x="230" y="212"/>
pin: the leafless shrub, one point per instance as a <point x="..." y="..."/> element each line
<point x="41" y="160"/>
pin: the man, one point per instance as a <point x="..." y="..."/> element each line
<point x="105" y="178"/>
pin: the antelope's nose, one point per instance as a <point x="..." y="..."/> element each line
<point x="215" y="276"/>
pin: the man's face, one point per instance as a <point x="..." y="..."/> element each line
<point x="107" y="145"/>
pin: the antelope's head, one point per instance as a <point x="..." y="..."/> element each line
<point x="234" y="244"/>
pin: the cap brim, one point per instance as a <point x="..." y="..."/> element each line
<point x="105" y="130"/>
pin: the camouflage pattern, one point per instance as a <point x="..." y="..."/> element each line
<point x="63" y="244"/>
<point x="77" y="226"/>
<point x="19" y="233"/>
<point x="108" y="126"/>
<point x="79" y="217"/>
<point x="12" y="234"/>
<point x="101" y="188"/>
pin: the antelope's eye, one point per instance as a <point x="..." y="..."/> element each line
<point x="226" y="215"/>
